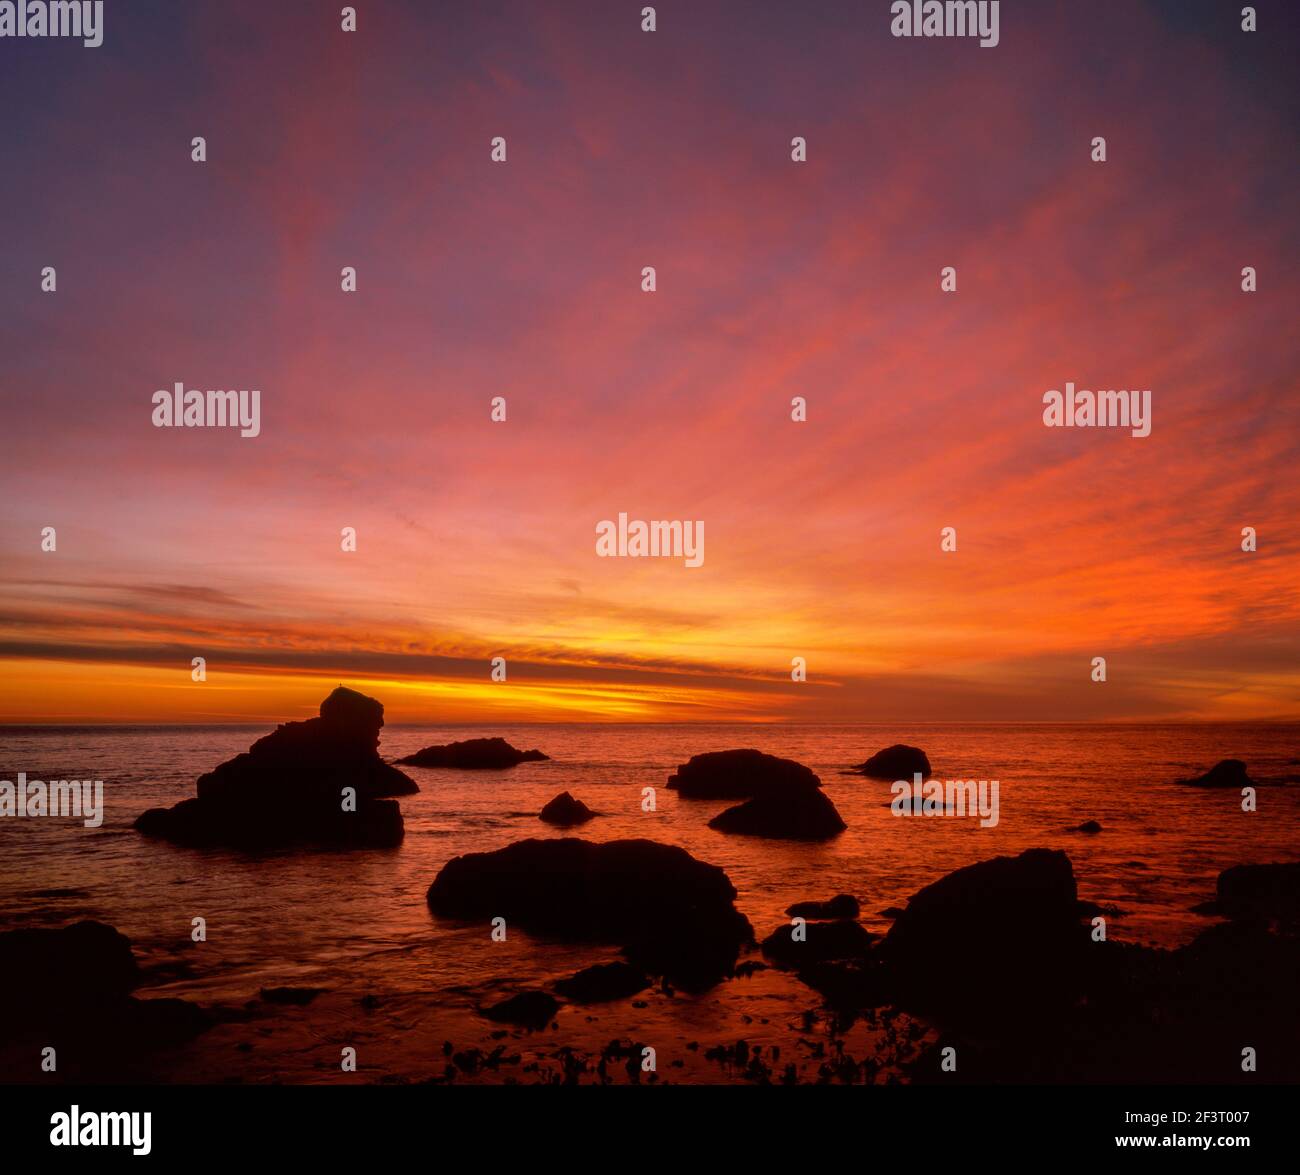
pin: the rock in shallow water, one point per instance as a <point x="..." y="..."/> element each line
<point x="738" y="775"/>
<point x="840" y="906"/>
<point x="1259" y="891"/>
<point x="1001" y="935"/>
<point x="672" y="914"/>
<point x="73" y="987"/>
<point x="564" y="810"/>
<point x="530" y="1009"/>
<point x="1225" y="773"/>
<point x="288" y="788"/>
<point x="474" y="754"/>
<point x="897" y="762"/>
<point x="793" y="812"/>
<point x="603" y="982"/>
<point x="820" y="942"/>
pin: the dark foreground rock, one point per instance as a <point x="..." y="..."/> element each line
<point x="739" y="775"/>
<point x="70" y="989"/>
<point x="566" y="811"/>
<point x="473" y="754"/>
<point x="842" y="905"/>
<point x="820" y="943"/>
<point x="603" y="982"/>
<point x="1258" y="892"/>
<point x="289" y="787"/>
<point x="1149" y="1017"/>
<point x="1226" y="773"/>
<point x="672" y="914"/>
<point x="530" y="1009"/>
<point x="999" y="959"/>
<point x="999" y="936"/>
<point x="797" y="811"/>
<point x="897" y="762"/>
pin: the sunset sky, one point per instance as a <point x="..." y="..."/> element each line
<point x="775" y="279"/>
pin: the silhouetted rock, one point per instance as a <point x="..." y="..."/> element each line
<point x="897" y="762"/>
<point x="288" y="787"/>
<point x="82" y="964"/>
<point x="73" y="987"/>
<point x="1147" y="1016"/>
<point x="840" y="906"/>
<point x="1259" y="891"/>
<point x="999" y="935"/>
<point x="1226" y="773"/>
<point x="1089" y="826"/>
<point x="822" y="942"/>
<point x="564" y="810"/>
<point x="738" y="775"/>
<point x="531" y="1009"/>
<point x="603" y="982"/>
<point x="473" y="754"/>
<point x="673" y="915"/>
<point x="794" y="811"/>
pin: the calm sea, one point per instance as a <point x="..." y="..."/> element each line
<point x="356" y="924"/>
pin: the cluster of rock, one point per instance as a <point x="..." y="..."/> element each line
<point x="782" y="799"/>
<point x="320" y="782"/>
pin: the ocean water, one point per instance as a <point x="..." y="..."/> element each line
<point x="398" y="982"/>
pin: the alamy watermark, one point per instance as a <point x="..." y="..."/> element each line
<point x="950" y="797"/>
<point x="946" y="18"/>
<point x="638" y="539"/>
<point x="82" y="798"/>
<point x="214" y="409"/>
<point x="54" y="18"/>
<point x="1080" y="408"/>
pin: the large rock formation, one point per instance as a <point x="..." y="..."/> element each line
<point x="797" y="811"/>
<point x="672" y="914"/>
<point x="738" y="775"/>
<point x="566" y="811"/>
<point x="1001" y="935"/>
<point x="288" y="787"/>
<point x="71" y="988"/>
<point x="1225" y="773"/>
<point x="897" y="762"/>
<point x="473" y="754"/>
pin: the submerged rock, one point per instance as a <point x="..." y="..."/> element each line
<point x="288" y="787"/>
<point x="793" y="812"/>
<point x="531" y="1009"/>
<point x="1225" y="773"/>
<point x="564" y="810"/>
<point x="1000" y="935"/>
<point x="1089" y="826"/>
<point x="897" y="762"/>
<point x="672" y="914"/>
<point x="738" y="775"/>
<point x="603" y="982"/>
<point x="840" y="906"/>
<point x="473" y="754"/>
